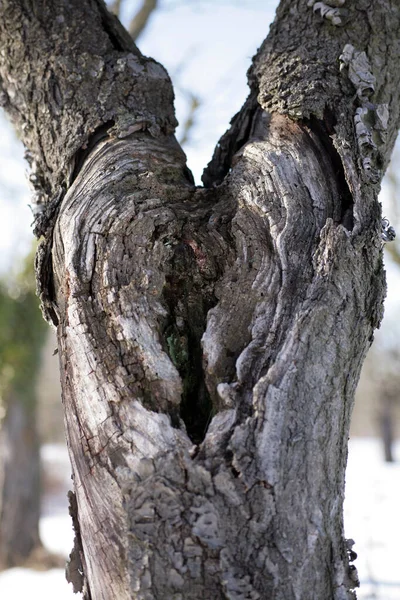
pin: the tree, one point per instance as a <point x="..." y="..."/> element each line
<point x="211" y="338"/>
<point x="22" y="331"/>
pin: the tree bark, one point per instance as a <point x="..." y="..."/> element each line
<point x="210" y="338"/>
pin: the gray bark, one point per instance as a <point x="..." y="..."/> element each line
<point x="210" y="338"/>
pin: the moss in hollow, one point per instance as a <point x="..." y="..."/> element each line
<point x="189" y="299"/>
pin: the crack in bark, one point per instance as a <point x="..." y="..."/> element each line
<point x="324" y="131"/>
<point x="100" y="134"/>
<point x="241" y="130"/>
<point x="119" y="37"/>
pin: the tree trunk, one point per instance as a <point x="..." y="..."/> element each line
<point x="210" y="338"/>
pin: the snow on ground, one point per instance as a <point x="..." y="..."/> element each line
<point x="371" y="516"/>
<point x="371" y="519"/>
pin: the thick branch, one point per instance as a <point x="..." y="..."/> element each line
<point x="337" y="75"/>
<point x="66" y="70"/>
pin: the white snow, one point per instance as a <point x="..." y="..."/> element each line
<point x="371" y="515"/>
<point x="56" y="534"/>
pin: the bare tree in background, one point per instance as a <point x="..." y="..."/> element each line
<point x="387" y="393"/>
<point x="388" y="359"/>
<point x="22" y="332"/>
<point x="140" y="19"/>
<point x="210" y="338"/>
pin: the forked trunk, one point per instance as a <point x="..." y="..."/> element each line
<point x="19" y="484"/>
<point x="210" y="338"/>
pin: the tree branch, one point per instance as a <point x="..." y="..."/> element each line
<point x="140" y="20"/>
<point x="188" y="124"/>
<point x="115" y="7"/>
<point x="211" y="339"/>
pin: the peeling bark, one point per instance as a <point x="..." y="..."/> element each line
<point x="211" y="338"/>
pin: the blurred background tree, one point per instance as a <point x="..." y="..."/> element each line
<point x="22" y="334"/>
<point x="377" y="407"/>
<point x="29" y="389"/>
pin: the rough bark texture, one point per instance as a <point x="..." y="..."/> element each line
<point x="210" y="338"/>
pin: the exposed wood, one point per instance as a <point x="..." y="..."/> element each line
<point x="211" y="338"/>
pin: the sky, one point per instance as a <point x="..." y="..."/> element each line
<point x="206" y="47"/>
<point x="15" y="214"/>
